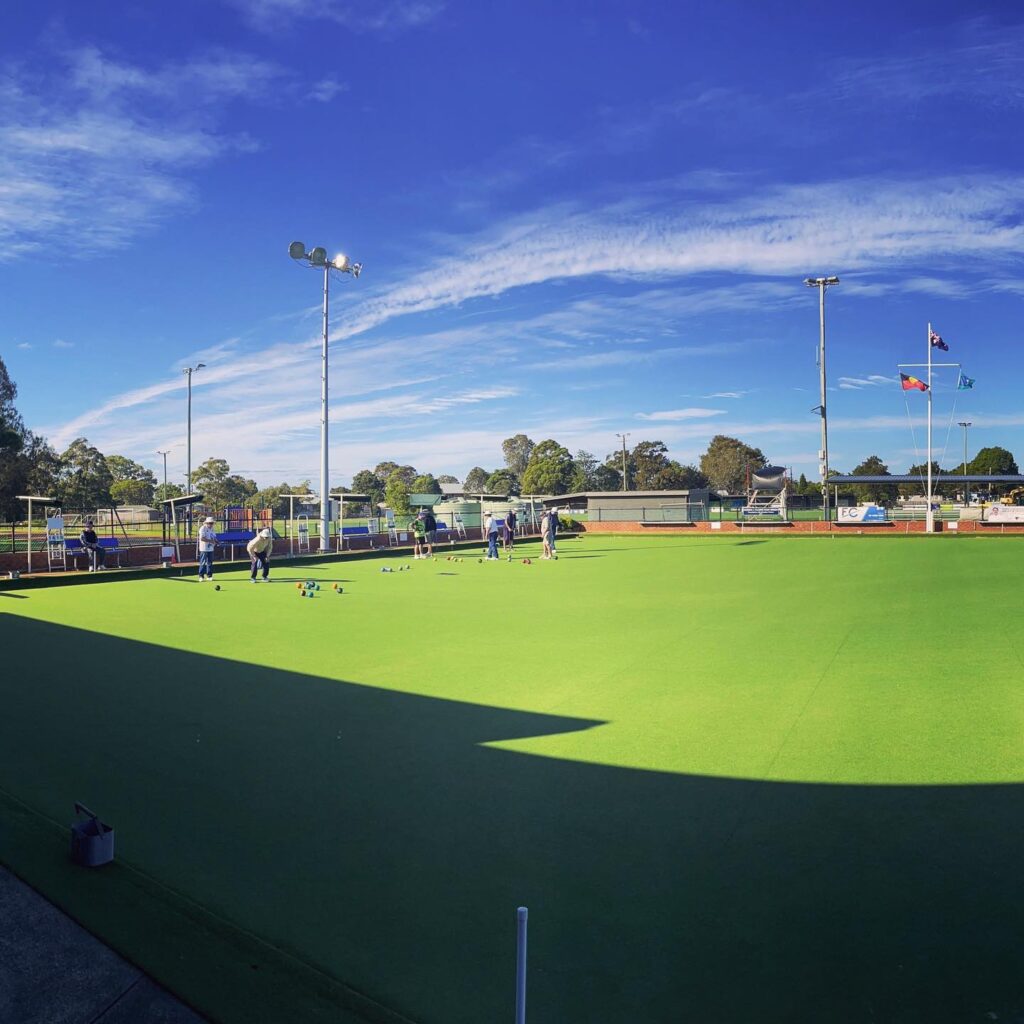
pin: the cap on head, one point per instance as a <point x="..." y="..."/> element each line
<point x="209" y="519"/>
<point x="264" y="533"/>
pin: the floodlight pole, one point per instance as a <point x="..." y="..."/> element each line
<point x="325" y="498"/>
<point x="625" y="478"/>
<point x="317" y="257"/>
<point x="821" y="283"/>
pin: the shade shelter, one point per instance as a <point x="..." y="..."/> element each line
<point x="30" y="498"/>
<point x="353" y="499"/>
<point x="171" y="506"/>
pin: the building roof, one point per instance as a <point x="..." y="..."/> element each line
<point x="562" y="499"/>
<point x="451" y="488"/>
<point x="920" y="478"/>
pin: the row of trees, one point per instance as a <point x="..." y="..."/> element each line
<point x="83" y="477"/>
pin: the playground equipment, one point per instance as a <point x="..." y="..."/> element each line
<point x="767" y="493"/>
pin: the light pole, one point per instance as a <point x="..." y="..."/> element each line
<point x="625" y="478"/>
<point x="967" y="490"/>
<point x="188" y="371"/>
<point x="821" y="283"/>
<point x="165" y="454"/>
<point x="318" y="258"/>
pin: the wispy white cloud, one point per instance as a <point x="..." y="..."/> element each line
<point x="24" y="345"/>
<point x="61" y="343"/>
<point x="384" y="18"/>
<point x="874" y="380"/>
<point x="99" y="150"/>
<point x="854" y="224"/>
<point x="727" y="394"/>
<point x="974" y="60"/>
<point x="326" y="89"/>
<point x="671" y="415"/>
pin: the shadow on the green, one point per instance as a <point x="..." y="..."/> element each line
<point x="374" y="835"/>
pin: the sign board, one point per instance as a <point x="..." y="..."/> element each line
<point x="1005" y="514"/>
<point x="860" y="514"/>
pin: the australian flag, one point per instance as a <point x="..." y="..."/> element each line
<point x="938" y="343"/>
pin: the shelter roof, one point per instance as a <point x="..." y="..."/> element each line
<point x="920" y="478"/>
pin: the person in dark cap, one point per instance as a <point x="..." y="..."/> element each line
<point x="91" y="544"/>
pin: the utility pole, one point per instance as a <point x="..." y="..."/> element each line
<point x="188" y="371"/>
<point x="821" y="283"/>
<point x="967" y="489"/>
<point x="165" y="454"/>
<point x="625" y="478"/>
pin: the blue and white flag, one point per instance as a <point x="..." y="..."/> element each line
<point x="964" y="383"/>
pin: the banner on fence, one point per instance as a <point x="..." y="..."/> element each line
<point x="860" y="514"/>
<point x="1005" y="514"/>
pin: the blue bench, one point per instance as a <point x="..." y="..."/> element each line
<point x="73" y="548"/>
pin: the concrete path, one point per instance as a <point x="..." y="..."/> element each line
<point x="54" y="972"/>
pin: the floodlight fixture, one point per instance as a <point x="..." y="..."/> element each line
<point x="297" y="250"/>
<point x="817" y="282"/>
<point x="318" y="257"/>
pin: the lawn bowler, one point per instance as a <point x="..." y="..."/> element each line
<point x="430" y="537"/>
<point x="259" y="549"/>
<point x="547" y="533"/>
<point x="207" y="544"/>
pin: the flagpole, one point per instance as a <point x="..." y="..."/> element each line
<point x="929" y="515"/>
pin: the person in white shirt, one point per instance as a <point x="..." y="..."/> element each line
<point x="207" y="544"/>
<point x="259" y="549"/>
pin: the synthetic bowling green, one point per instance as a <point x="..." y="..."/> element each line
<point x="734" y="779"/>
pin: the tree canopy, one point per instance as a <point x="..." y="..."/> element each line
<point x="727" y="462"/>
<point x="550" y="469"/>
<point x="516" y="451"/>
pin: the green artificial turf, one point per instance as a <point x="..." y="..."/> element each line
<point x="734" y="779"/>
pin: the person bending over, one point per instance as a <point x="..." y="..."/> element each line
<point x="259" y="549"/>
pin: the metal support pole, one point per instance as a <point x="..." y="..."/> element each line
<point x="325" y="501"/>
<point x="188" y="435"/>
<point x="929" y="519"/>
<point x="824" y="414"/>
<point x="521" y="917"/>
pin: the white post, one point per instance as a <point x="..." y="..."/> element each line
<point x="325" y="500"/>
<point x="30" y="535"/>
<point x="929" y="524"/>
<point x="291" y="527"/>
<point x="521" y="924"/>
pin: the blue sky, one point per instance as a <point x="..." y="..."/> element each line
<point x="575" y="219"/>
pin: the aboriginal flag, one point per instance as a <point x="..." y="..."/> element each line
<point x="912" y="383"/>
